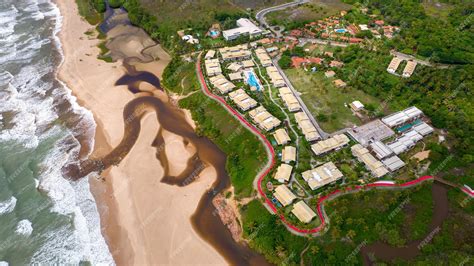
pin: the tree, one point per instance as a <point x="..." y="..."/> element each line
<point x="285" y="61"/>
<point x="314" y="250"/>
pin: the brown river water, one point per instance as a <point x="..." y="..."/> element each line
<point x="205" y="221"/>
<point x="172" y="119"/>
<point x="385" y="252"/>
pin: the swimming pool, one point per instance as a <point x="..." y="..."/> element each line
<point x="252" y="80"/>
<point x="408" y="126"/>
<point x="213" y="33"/>
<point x="340" y="30"/>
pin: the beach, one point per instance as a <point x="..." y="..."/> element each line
<point x="144" y="221"/>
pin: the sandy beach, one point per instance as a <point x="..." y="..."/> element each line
<point x="144" y="221"/>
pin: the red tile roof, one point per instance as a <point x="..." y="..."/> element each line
<point x="298" y="61"/>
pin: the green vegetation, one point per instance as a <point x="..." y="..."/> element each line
<point x="442" y="40"/>
<point x="162" y="19"/>
<point x="91" y="10"/>
<point x="444" y="95"/>
<point x="325" y="101"/>
<point x="103" y="55"/>
<point x="366" y="217"/>
<point x="267" y="235"/>
<point x="180" y="77"/>
<point x="296" y="17"/>
<point x="245" y="154"/>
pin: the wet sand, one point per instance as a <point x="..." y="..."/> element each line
<point x="141" y="226"/>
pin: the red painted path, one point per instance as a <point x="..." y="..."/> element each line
<point x="272" y="163"/>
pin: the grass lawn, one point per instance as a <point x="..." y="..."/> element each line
<point x="308" y="12"/>
<point x="322" y="97"/>
<point x="199" y="14"/>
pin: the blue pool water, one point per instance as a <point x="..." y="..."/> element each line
<point x="408" y="126"/>
<point x="340" y="30"/>
<point x="213" y="33"/>
<point x="252" y="81"/>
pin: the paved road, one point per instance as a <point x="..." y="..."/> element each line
<point x="322" y="41"/>
<point x="419" y="61"/>
<point x="321" y="132"/>
<point x="260" y="16"/>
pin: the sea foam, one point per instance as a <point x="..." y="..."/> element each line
<point x="8" y="206"/>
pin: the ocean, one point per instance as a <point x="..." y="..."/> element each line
<point x="44" y="218"/>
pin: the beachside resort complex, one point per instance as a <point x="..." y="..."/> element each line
<point x="249" y="79"/>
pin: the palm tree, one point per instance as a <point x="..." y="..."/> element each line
<point x="280" y="251"/>
<point x="314" y="250"/>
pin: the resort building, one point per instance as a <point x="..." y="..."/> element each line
<point x="236" y="76"/>
<point x="264" y="119"/>
<point x="409" y="69"/>
<point x="423" y="129"/>
<point x="275" y="77"/>
<point x="283" y="173"/>
<point x="402" y="117"/>
<point x="289" y="99"/>
<point x="304" y="124"/>
<point x="303" y="212"/>
<point x="380" y="149"/>
<point x="248" y="63"/>
<point x="210" y="54"/>
<point x="356" y="106"/>
<point x="335" y="63"/>
<point x="393" y="163"/>
<point x="373" y="165"/>
<point x="333" y="143"/>
<point x="281" y="136"/>
<point x="222" y="84"/>
<point x="284" y="195"/>
<point x="238" y="52"/>
<point x="245" y="27"/>
<point x="213" y="67"/>
<point x="234" y="67"/>
<point x="322" y="175"/>
<point x="242" y="100"/>
<point x="372" y="131"/>
<point x="405" y="142"/>
<point x="339" y="83"/>
<point x="392" y="67"/>
<point x="329" y="74"/>
<point x="288" y="154"/>
<point x="262" y="55"/>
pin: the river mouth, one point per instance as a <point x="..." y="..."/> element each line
<point x="385" y="252"/>
<point x="171" y="119"/>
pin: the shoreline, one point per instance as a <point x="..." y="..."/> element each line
<point x="127" y="199"/>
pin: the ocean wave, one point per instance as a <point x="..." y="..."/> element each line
<point x="24" y="227"/>
<point x="8" y="205"/>
<point x="35" y="104"/>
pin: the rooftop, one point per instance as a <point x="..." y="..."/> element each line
<point x="283" y="173"/>
<point x="284" y="195"/>
<point x="322" y="175"/>
<point x="330" y="144"/>
<point x="288" y="154"/>
<point x="303" y="212"/>
<point x="281" y="136"/>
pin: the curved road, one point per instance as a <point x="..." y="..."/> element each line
<point x="321" y="214"/>
<point x="260" y="16"/>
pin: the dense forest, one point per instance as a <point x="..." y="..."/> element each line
<point x="442" y="40"/>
